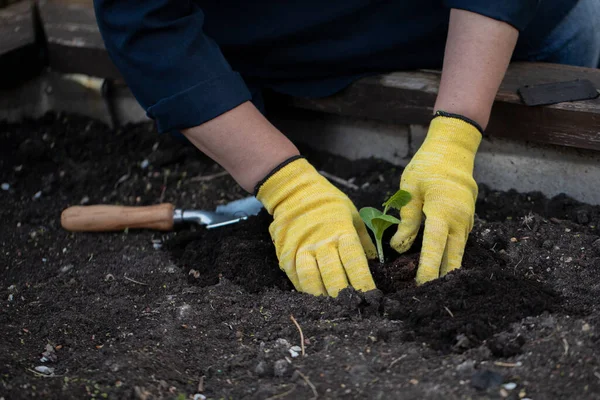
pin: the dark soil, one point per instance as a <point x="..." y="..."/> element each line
<point x="152" y="315"/>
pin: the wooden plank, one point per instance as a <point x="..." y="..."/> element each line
<point x="409" y="97"/>
<point x="16" y="27"/>
<point x="74" y="41"/>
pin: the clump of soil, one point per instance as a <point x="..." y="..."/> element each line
<point x="171" y="315"/>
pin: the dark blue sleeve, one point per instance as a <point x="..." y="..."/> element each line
<point x="175" y="71"/>
<point x="518" y="13"/>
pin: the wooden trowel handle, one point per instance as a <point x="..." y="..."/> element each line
<point x="102" y="218"/>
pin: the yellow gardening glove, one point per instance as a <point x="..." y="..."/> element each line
<point x="440" y="179"/>
<point x="319" y="237"/>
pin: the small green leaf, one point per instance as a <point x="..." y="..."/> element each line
<point x="367" y="214"/>
<point x="397" y="200"/>
<point x="382" y="219"/>
<point x="377" y="222"/>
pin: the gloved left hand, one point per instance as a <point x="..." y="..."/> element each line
<point x="321" y="242"/>
<point x="440" y="180"/>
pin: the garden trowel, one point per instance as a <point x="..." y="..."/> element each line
<point x="104" y="218"/>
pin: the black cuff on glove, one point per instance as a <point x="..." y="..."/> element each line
<point x="274" y="171"/>
<point x="440" y="113"/>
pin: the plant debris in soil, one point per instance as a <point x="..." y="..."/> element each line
<point x="207" y="314"/>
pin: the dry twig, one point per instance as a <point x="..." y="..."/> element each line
<point x="566" y="346"/>
<point x="396" y="360"/>
<point x="40" y="375"/>
<point x="282" y="395"/>
<point x="310" y="384"/>
<point x="507" y="365"/>
<point x="339" y="181"/>
<point x="134" y="281"/>
<point x="449" y="312"/>
<point x="301" y="334"/>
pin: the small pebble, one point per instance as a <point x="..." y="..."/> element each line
<point x="281" y="368"/>
<point x="84" y="200"/>
<point x="586" y="327"/>
<point x="509" y="386"/>
<point x="199" y="396"/>
<point x="10" y="297"/>
<point x="37" y="195"/>
<point x="144" y="164"/>
<point x="66" y="268"/>
<point x="281" y="342"/>
<point x="295" y="351"/>
<point x="5" y="186"/>
<point x="466" y="366"/>
<point x="44" y="370"/>
<point x="262" y="369"/>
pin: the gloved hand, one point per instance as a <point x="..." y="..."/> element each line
<point x="319" y="237"/>
<point x="440" y="179"/>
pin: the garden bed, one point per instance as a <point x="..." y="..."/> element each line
<point x="170" y="315"/>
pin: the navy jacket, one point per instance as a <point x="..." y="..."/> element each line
<point x="189" y="61"/>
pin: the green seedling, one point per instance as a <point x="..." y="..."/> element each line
<point x="378" y="221"/>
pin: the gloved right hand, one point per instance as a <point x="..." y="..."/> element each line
<point x="321" y="242"/>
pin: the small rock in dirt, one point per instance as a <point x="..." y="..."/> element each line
<point x="184" y="311"/>
<point x="66" y="268"/>
<point x="49" y="355"/>
<point x="262" y="369"/>
<point x="42" y="369"/>
<point x="84" y="200"/>
<point x="199" y="396"/>
<point x="281" y="368"/>
<point x="37" y="195"/>
<point x="462" y="342"/>
<point x="547" y="244"/>
<point x="295" y="351"/>
<point x="466" y="366"/>
<point x="486" y="379"/>
<point x="5" y="186"/>
<point x="282" y="343"/>
<point x="144" y="164"/>
<point x="509" y="386"/>
<point x="548" y="322"/>
<point x="586" y="327"/>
